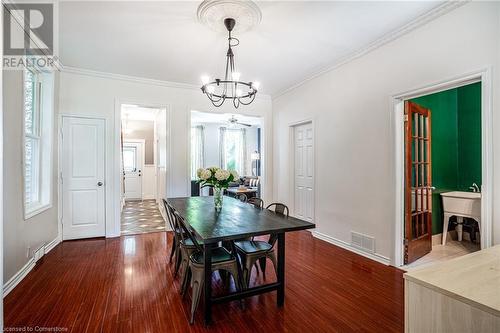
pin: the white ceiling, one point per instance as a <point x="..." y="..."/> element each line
<point x="198" y="117"/>
<point x="162" y="39"/>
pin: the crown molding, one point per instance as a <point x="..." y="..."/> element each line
<point x="134" y="79"/>
<point x="418" y="22"/>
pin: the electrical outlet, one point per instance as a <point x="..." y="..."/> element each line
<point x="28" y="252"/>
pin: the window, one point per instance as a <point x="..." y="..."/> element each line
<point x="129" y="159"/>
<point x="233" y="149"/>
<point x="197" y="150"/>
<point x="38" y="115"/>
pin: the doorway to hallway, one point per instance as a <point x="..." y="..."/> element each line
<point x="141" y="216"/>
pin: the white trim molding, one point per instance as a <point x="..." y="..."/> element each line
<point x="52" y="244"/>
<point x="18" y="277"/>
<point x="373" y="256"/>
<point x="21" y="274"/>
<point x="418" y="22"/>
<point x="135" y="79"/>
<point x="397" y="125"/>
<point x="115" y="202"/>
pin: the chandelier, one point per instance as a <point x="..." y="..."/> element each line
<point x="229" y="88"/>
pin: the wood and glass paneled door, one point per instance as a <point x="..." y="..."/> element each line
<point x="418" y="182"/>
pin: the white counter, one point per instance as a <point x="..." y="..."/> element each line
<point x="460" y="295"/>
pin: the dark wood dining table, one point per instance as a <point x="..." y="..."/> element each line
<point x="235" y="221"/>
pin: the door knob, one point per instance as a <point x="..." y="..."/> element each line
<point x="99" y="184"/>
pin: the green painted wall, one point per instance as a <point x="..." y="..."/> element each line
<point x="456" y="143"/>
<point x="469" y="135"/>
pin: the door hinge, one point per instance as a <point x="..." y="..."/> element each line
<point x="405" y="242"/>
<point x="61" y="176"/>
<point x="405" y="117"/>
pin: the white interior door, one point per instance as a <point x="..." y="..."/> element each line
<point x="133" y="163"/>
<point x="304" y="172"/>
<point x="83" y="184"/>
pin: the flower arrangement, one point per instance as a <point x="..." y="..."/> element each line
<point x="218" y="179"/>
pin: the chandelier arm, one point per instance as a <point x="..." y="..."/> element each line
<point x="250" y="102"/>
<point x="219" y="104"/>
<point x="211" y="97"/>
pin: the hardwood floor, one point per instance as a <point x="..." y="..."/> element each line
<point x="126" y="285"/>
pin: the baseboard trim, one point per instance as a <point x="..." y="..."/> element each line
<point x="52" y="244"/>
<point x="18" y="277"/>
<point x="148" y="197"/>
<point x="21" y="274"/>
<point x="373" y="256"/>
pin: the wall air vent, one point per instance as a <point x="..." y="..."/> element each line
<point x="363" y="242"/>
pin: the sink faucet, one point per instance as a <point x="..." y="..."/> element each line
<point x="475" y="188"/>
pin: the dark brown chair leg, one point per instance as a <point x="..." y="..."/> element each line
<point x="172" y="251"/>
<point x="262" y="263"/>
<point x="178" y="260"/>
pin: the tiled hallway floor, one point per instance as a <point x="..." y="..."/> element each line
<point x="139" y="217"/>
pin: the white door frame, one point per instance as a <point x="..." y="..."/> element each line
<point x="59" y="169"/>
<point x="143" y="157"/>
<point x="115" y="204"/>
<point x="397" y="123"/>
<point x="291" y="165"/>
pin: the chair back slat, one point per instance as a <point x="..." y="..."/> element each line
<point x="168" y="211"/>
<point x="186" y="233"/>
<point x="280" y="209"/>
<point x="257" y="202"/>
<point x="241" y="197"/>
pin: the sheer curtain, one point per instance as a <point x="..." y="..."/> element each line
<point x="232" y="144"/>
<point x="197" y="149"/>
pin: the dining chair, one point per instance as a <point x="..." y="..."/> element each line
<point x="222" y="259"/>
<point x="171" y="223"/>
<point x="175" y="251"/>
<point x="241" y="197"/>
<point x="257" y="202"/>
<point x="252" y="250"/>
<point x="278" y="208"/>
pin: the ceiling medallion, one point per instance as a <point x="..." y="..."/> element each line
<point x="213" y="12"/>
<point x="229" y="88"/>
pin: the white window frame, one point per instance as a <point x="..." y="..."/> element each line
<point x="43" y="115"/>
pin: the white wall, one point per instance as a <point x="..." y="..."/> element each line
<point x="20" y="234"/>
<point x="149" y="182"/>
<point x="143" y="130"/>
<point x="88" y="93"/>
<point x="352" y="115"/>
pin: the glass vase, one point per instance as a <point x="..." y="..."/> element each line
<point x="218" y="196"/>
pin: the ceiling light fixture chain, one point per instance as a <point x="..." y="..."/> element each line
<point x="218" y="91"/>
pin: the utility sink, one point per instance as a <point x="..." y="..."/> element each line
<point x="460" y="204"/>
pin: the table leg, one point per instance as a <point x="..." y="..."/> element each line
<point x="460" y="226"/>
<point x="281" y="269"/>
<point x="207" y="261"/>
